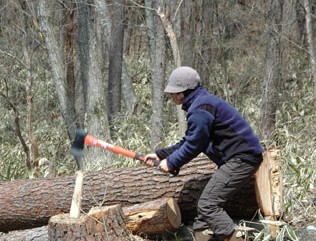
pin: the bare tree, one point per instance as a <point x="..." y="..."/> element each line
<point x="157" y="48"/>
<point x="127" y="90"/>
<point x="115" y="59"/>
<point x="56" y="61"/>
<point x="29" y="84"/>
<point x="68" y="32"/>
<point x="91" y="85"/>
<point x="83" y="40"/>
<point x="272" y="72"/>
<point x="311" y="44"/>
<point x="164" y="17"/>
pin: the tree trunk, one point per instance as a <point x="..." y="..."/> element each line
<point x="272" y="75"/>
<point x="128" y="92"/>
<point x="91" y="83"/>
<point x="56" y="62"/>
<point x="68" y="35"/>
<point x="311" y="44"/>
<point x="157" y="48"/>
<point x="83" y="21"/>
<point x="31" y="203"/>
<point x="177" y="59"/>
<point x="115" y="59"/>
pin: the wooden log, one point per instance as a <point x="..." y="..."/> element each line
<point x="268" y="187"/>
<point x="100" y="224"/>
<point x="160" y="216"/>
<point x="35" y="234"/>
<point x="30" y="203"/>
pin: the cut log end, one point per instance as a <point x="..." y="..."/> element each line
<point x="173" y="213"/>
<point x="269" y="184"/>
<point x="158" y="216"/>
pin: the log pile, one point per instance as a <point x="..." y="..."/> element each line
<point x="30" y="203"/>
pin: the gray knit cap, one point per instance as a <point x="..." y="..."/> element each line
<point x="181" y="79"/>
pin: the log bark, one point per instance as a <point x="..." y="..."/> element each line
<point x="30" y="203"/>
<point x="35" y="234"/>
<point x="157" y="217"/>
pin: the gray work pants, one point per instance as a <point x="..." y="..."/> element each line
<point x="225" y="182"/>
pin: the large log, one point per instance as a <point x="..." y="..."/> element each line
<point x="30" y="203"/>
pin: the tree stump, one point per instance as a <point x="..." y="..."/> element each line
<point x="101" y="224"/>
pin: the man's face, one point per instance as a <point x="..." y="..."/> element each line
<point x="177" y="98"/>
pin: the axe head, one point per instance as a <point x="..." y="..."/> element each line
<point x="78" y="143"/>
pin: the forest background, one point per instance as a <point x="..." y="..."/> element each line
<point x="102" y="66"/>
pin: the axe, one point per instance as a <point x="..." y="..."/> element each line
<point x="82" y="139"/>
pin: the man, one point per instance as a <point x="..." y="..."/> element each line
<point x="217" y="129"/>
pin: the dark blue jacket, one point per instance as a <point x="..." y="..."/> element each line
<point x="215" y="128"/>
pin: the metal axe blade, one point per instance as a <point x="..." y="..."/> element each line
<point x="77" y="147"/>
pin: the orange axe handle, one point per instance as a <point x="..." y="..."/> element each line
<point x="93" y="141"/>
<point x="82" y="139"/>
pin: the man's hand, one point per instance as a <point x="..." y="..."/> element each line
<point x="149" y="159"/>
<point x="163" y="166"/>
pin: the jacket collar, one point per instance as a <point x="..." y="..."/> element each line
<point x="188" y="100"/>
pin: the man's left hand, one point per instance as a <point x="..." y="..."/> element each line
<point x="163" y="166"/>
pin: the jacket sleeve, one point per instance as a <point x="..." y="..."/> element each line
<point x="163" y="153"/>
<point x="196" y="140"/>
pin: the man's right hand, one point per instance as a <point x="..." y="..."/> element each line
<point x="149" y="159"/>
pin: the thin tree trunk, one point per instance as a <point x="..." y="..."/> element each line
<point x="157" y="47"/>
<point x="128" y="93"/>
<point x="68" y="35"/>
<point x="96" y="120"/>
<point x="29" y="91"/>
<point x="83" y="20"/>
<point x="177" y="59"/>
<point x="115" y="59"/>
<point x="92" y="84"/>
<point x="272" y="75"/>
<point x="311" y="44"/>
<point x="56" y="62"/>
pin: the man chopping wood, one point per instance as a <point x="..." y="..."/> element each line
<point x="217" y="129"/>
